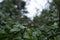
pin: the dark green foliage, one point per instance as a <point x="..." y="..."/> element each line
<point x="16" y="26"/>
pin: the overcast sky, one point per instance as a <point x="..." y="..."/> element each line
<point x="33" y="5"/>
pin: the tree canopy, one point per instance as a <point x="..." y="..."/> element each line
<point x="16" y="26"/>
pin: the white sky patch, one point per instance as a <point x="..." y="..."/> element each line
<point x="33" y="5"/>
<point x="1" y="1"/>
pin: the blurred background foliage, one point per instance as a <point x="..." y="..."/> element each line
<point x="16" y="26"/>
